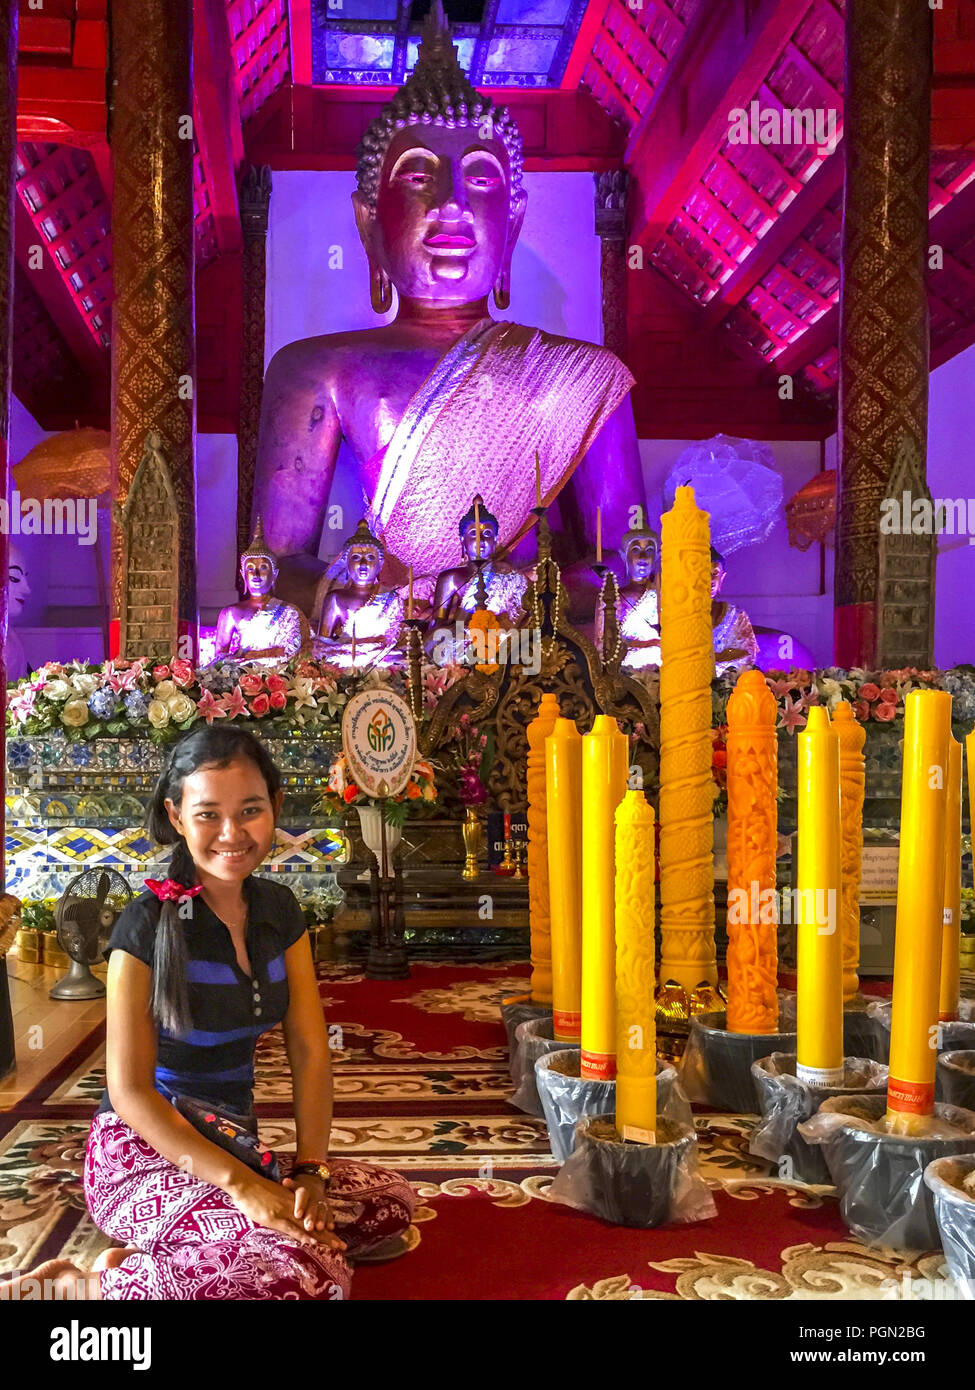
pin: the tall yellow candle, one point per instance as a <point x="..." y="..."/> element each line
<point x="920" y="885"/>
<point x="753" y="1005"/>
<point x="852" y="736"/>
<point x="636" y="1033"/>
<point x="819" y="1007"/>
<point x="951" y="897"/>
<point x="604" y="769"/>
<point x="563" y="808"/>
<point x="686" y="801"/>
<point x="538" y="896"/>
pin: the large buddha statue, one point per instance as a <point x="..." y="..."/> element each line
<point x="261" y="627"/>
<point x="361" y="619"/>
<point x="456" y="589"/>
<point x="443" y="400"/>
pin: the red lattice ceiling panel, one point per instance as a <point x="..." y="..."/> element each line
<point x="260" y="44"/>
<point x="45" y="374"/>
<point x="203" y="220"/>
<point x="60" y="188"/>
<point x="633" y="51"/>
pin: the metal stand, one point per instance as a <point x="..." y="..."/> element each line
<point x="387" y="959"/>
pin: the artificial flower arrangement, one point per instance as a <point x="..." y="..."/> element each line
<point x="472" y="752"/>
<point x="121" y="698"/>
<point x="343" y="792"/>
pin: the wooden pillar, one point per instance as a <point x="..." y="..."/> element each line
<point x="153" y="330"/>
<point x="611" y="191"/>
<point x="883" y="395"/>
<point x="255" y="202"/>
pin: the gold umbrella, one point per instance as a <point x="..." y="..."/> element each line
<point x="75" y="463"/>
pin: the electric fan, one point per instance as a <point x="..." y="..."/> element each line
<point x="85" y="916"/>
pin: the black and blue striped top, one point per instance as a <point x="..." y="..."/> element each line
<point x="214" y="1061"/>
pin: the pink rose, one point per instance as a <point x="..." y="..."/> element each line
<point x="929" y="677"/>
<point x="251" y="684"/>
<point x="278" y="699"/>
<point x="182" y="673"/>
<point x="861" y="710"/>
<point x="260" y="705"/>
<point x="885" y="712"/>
<point x="889" y="695"/>
<point x="276" y="683"/>
<point x="160" y="673"/>
<point x="869" y="691"/>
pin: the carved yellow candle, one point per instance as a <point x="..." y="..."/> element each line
<point x="852" y="736"/>
<point x="951" y="904"/>
<point x="819" y="1007"/>
<point x="563" y="805"/>
<point x="539" y="919"/>
<point x="752" y="829"/>
<point x="920" y="884"/>
<point x="604" y="769"/>
<point x="686" y="823"/>
<point x="636" y="1034"/>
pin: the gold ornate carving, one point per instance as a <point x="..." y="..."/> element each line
<point x="852" y="736"/>
<point x="752" y="830"/>
<point x="255" y="202"/>
<point x="905" y="592"/>
<point x="147" y="531"/>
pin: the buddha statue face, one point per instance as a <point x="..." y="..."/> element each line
<point x="363" y="563"/>
<point x="717" y="575"/>
<point x="641" y="558"/>
<point x="258" y="574"/>
<point x="445" y="223"/>
<point x="18" y="589"/>
<point x="489" y="541"/>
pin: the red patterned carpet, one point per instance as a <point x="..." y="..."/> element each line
<point x="421" y="1084"/>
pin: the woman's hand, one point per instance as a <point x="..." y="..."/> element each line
<point x="274" y="1206"/>
<point x="311" y="1207"/>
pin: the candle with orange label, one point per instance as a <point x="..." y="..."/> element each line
<point x="951" y="904"/>
<point x="920" y="886"/>
<point x="604" y="768"/>
<point x="636" y="1027"/>
<point x="563" y="779"/>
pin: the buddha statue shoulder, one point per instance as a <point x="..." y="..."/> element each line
<point x="735" y="643"/>
<point x="361" y="619"/>
<point x="261" y="627"/>
<point x="442" y="400"/>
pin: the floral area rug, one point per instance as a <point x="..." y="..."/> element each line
<point x="421" y="1084"/>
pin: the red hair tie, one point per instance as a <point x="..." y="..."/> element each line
<point x="168" y="890"/>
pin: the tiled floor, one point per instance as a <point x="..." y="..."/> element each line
<point x="45" y="1030"/>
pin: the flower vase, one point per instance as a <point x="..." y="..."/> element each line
<point x="472" y="833"/>
<point x="370" y="821"/>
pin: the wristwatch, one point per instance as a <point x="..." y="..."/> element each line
<point x="316" y="1170"/>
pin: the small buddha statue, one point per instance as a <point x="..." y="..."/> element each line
<point x="456" y="589"/>
<point x="639" y="606"/>
<point x="261" y="627"/>
<point x="361" y="620"/>
<point x="735" y="643"/>
<point x="18" y="591"/>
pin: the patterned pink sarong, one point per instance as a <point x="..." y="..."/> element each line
<point x="194" y="1243"/>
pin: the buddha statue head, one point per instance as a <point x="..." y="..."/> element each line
<point x="363" y="555"/>
<point x="439" y="202"/>
<point x="258" y="565"/>
<point x="639" y="549"/>
<point x="18" y="589"/>
<point x="717" y="572"/>
<point x="467" y="526"/>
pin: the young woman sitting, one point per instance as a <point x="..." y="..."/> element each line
<point x="199" y="968"/>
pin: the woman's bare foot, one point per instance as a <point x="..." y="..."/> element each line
<point x="54" y="1279"/>
<point x="113" y="1256"/>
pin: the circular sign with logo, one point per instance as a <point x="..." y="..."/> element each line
<point x="379" y="741"/>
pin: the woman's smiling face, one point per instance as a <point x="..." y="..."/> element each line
<point x="226" y="816"/>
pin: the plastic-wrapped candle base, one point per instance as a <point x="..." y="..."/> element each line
<point x="716" y="1068"/>
<point x="954" y="1211"/>
<point x="566" y="1098"/>
<point x="786" y="1102"/>
<point x="958" y="1033"/>
<point x="860" y="1036"/>
<point x="879" y="1176"/>
<point x="533" y="1039"/>
<point x="956" y="1078"/>
<point x="634" y="1184"/>
<point x="511" y="1016"/>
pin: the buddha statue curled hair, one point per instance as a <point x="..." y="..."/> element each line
<point x="437" y="92"/>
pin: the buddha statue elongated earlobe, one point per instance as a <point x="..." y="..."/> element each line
<point x="502" y="288"/>
<point x="380" y="289"/>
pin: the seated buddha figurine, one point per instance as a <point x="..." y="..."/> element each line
<point x="639" y="608"/>
<point x="735" y="643"/>
<point x="456" y="589"/>
<point x="441" y="400"/>
<point x="261" y="627"/>
<point x="361" y="620"/>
